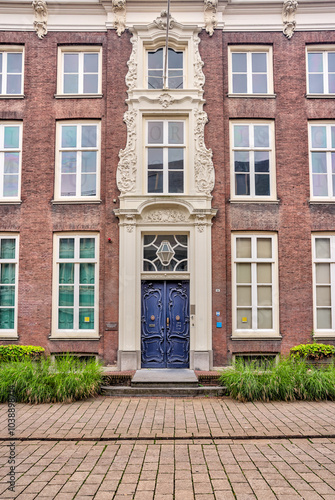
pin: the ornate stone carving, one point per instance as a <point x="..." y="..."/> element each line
<point x="165" y="215"/>
<point x="200" y="222"/>
<point x="210" y="16"/>
<point x="161" y="21"/>
<point x="288" y="14"/>
<point x="41" y="17"/>
<point x="204" y="169"/>
<point x="199" y="77"/>
<point x="165" y="100"/>
<point x="126" y="170"/>
<point x="119" y="9"/>
<point x="130" y="223"/>
<point x="131" y="77"/>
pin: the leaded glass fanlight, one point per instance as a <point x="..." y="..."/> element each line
<point x="165" y="253"/>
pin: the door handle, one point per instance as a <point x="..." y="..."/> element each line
<point x="167" y="321"/>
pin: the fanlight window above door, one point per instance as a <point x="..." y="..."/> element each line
<point x="165" y="253"/>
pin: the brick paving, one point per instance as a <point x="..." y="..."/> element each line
<point x="172" y="449"/>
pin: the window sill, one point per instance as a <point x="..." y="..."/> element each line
<point x="256" y="336"/>
<point x="273" y="202"/>
<point x="320" y="96"/>
<point x="9" y="336"/>
<point x="78" y="96"/>
<point x="10" y="202"/>
<point x="321" y="202"/>
<point x="75" y="202"/>
<point x="325" y="335"/>
<point x="254" y="96"/>
<point x="73" y="336"/>
<point x="12" y="96"/>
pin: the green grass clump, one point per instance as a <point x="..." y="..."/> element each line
<point x="64" y="380"/>
<point x="289" y="380"/>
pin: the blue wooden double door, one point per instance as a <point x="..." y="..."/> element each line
<point x="165" y="336"/>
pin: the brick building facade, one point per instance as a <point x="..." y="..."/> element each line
<point x="104" y="168"/>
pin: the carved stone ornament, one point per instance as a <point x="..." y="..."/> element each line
<point x="165" y="100"/>
<point x="41" y="17"/>
<point x="130" y="223"/>
<point x="126" y="170"/>
<point x="199" y="77"/>
<point x="288" y="14"/>
<point x="165" y="215"/>
<point x="203" y="167"/>
<point x="200" y="222"/>
<point x="161" y="22"/>
<point x="210" y="16"/>
<point x="131" y="77"/>
<point x="119" y="9"/>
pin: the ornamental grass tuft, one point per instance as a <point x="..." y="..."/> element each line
<point x="65" y="380"/>
<point x="288" y="380"/>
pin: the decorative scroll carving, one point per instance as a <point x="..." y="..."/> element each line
<point x="119" y="9"/>
<point x="165" y="100"/>
<point x="41" y="17"/>
<point x="130" y="223"/>
<point x="210" y="16"/>
<point x="165" y="215"/>
<point x="288" y="14"/>
<point x="204" y="169"/>
<point x="126" y="170"/>
<point x="161" y="21"/>
<point x="131" y="77"/>
<point x="200" y="222"/>
<point x="199" y="77"/>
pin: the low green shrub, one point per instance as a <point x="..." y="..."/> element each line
<point x="64" y="380"/>
<point x="19" y="352"/>
<point x="289" y="380"/>
<point x="312" y="351"/>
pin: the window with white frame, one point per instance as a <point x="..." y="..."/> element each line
<point x="165" y="151"/>
<point x="10" y="160"/>
<point x="250" y="70"/>
<point x="322" y="160"/>
<point x="320" y="71"/>
<point x="175" y="63"/>
<point x="76" y="283"/>
<point x="78" y="161"/>
<point x="79" y="70"/>
<point x="252" y="160"/>
<point x="9" y="250"/>
<point x="255" y="288"/>
<point x="11" y="71"/>
<point x="324" y="283"/>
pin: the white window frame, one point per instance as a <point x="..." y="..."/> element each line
<point x="272" y="160"/>
<point x="12" y="333"/>
<point x="5" y="50"/>
<point x="324" y="50"/>
<point x="75" y="333"/>
<point x="249" y="50"/>
<point x="328" y="150"/>
<point x="59" y="149"/>
<point x="3" y="124"/>
<point x="165" y="146"/>
<point x="174" y="47"/>
<point x="255" y="332"/>
<point x="81" y="50"/>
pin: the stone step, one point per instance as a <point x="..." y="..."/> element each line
<point x="190" y="392"/>
<point x="165" y="377"/>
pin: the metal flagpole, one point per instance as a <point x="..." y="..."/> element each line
<point x="166" y="45"/>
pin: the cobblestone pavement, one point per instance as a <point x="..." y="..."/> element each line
<point x="172" y="449"/>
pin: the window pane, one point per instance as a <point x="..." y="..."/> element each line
<point x="176" y="132"/>
<point x="315" y="84"/>
<point x="71" y="84"/>
<point x="86" y="273"/>
<point x="258" y="62"/>
<point x="262" y="185"/>
<point x="66" y="295"/>
<point x="89" y="136"/>
<point x="322" y="248"/>
<point x="88" y="161"/>
<point x="155" y="182"/>
<point x="7" y="319"/>
<point x="87" y="248"/>
<point x="262" y="161"/>
<point x="155" y="80"/>
<point x="176" y="158"/>
<point x="323" y="319"/>
<point x="175" y="79"/>
<point x="69" y="162"/>
<point x="88" y="185"/>
<point x="241" y="135"/>
<point x="86" y="296"/>
<point x="66" y="273"/>
<point x="264" y="295"/>
<point x="155" y="59"/>
<point x="319" y="163"/>
<point x="155" y="158"/>
<point x="8" y="274"/>
<point x="331" y="83"/>
<point x="65" y="319"/>
<point x="12" y="137"/>
<point x="259" y="84"/>
<point x="11" y="185"/>
<point x="243" y="273"/>
<point x="0" y="62"/>
<point x="91" y="63"/>
<point x="241" y="161"/>
<point x="69" y="136"/>
<point x="12" y="162"/>
<point x="261" y="133"/>
<point x="240" y="85"/>
<point x="7" y="295"/>
<point x="1" y="83"/>
<point x="333" y="136"/>
<point x="242" y="184"/>
<point x="322" y="272"/>
<point x="86" y="319"/>
<point x="264" y="319"/>
<point x="66" y="248"/>
<point x="323" y="296"/>
<point x="68" y="185"/>
<point x="71" y="63"/>
<point x="331" y="62"/>
<point x="239" y="62"/>
<point x="244" y="295"/>
<point x="7" y="249"/>
<point x="14" y="62"/>
<point x="176" y="182"/>
<point x="244" y="319"/>
<point x="320" y="186"/>
<point x="155" y="132"/>
<point x="90" y="84"/>
<point x="264" y="273"/>
<point x="264" y="248"/>
<point x="315" y="62"/>
<point x="243" y="248"/>
<point x="175" y="59"/>
<point x="14" y="84"/>
<point x="319" y="137"/>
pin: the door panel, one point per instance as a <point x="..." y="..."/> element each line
<point x="165" y="337"/>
